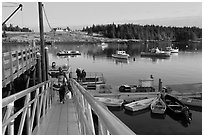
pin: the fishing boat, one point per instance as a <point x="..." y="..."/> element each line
<point x="170" y="49"/>
<point x="121" y="54"/>
<point x="175" y="106"/>
<point x="155" y="52"/>
<point x="112" y="102"/>
<point x="68" y="53"/>
<point x="139" y="105"/>
<point x="158" y="106"/>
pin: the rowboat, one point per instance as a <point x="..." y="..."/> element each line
<point x="175" y="106"/>
<point x="113" y="102"/>
<point x="139" y="105"/>
<point x="158" y="106"/>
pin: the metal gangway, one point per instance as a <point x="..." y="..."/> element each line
<point x="86" y="116"/>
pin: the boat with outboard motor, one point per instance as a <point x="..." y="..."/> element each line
<point x="121" y="54"/>
<point x="68" y="53"/>
<point x="155" y="52"/>
<point x="176" y="107"/>
<point x="172" y="50"/>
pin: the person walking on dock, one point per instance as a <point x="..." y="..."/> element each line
<point x="78" y="72"/>
<point x="62" y="83"/>
<point x="83" y="75"/>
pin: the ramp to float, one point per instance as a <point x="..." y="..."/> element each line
<point x="61" y="119"/>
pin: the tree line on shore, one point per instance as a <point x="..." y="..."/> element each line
<point x="15" y="28"/>
<point x="146" y="32"/>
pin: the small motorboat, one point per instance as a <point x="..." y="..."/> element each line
<point x="156" y="53"/>
<point x="112" y="102"/>
<point x="121" y="54"/>
<point x="175" y="106"/>
<point x="139" y="105"/>
<point x="158" y="106"/>
<point x="170" y="49"/>
<point x="68" y="53"/>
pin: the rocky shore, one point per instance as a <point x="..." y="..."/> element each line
<point x="72" y="36"/>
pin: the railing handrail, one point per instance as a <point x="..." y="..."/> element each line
<point x="14" y="63"/>
<point x="16" y="96"/>
<point x="40" y="103"/>
<point x="112" y="123"/>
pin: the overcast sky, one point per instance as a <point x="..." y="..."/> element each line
<point x="87" y="13"/>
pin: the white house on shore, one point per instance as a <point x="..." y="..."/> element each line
<point x="60" y="29"/>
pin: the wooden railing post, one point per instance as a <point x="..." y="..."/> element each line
<point x="11" y="66"/>
<point x="39" y="68"/>
<point x="11" y="125"/>
<point x="37" y="108"/>
<point x="3" y="69"/>
<point x="46" y="62"/>
<point x="22" y="62"/>
<point x="17" y="63"/>
<point x="45" y="98"/>
<point x="28" y="130"/>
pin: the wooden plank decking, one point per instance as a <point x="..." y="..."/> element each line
<point x="60" y="120"/>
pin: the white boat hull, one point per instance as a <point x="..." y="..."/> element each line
<point x="158" y="106"/>
<point x="120" y="56"/>
<point x="113" y="102"/>
<point x="139" y="105"/>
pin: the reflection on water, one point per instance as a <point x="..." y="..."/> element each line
<point x="119" y="61"/>
<point x="146" y="123"/>
<point x="183" y="67"/>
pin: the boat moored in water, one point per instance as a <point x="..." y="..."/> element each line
<point x="139" y="105"/>
<point x="172" y="50"/>
<point x="190" y="101"/>
<point x="176" y="107"/>
<point x="155" y="52"/>
<point x="68" y="53"/>
<point x="158" y="106"/>
<point x="112" y="102"/>
<point x="121" y="54"/>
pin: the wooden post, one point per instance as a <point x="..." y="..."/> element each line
<point x="39" y="68"/>
<point x="28" y="117"/>
<point x="17" y="63"/>
<point x="11" y="125"/>
<point x="160" y="85"/>
<point x="47" y="62"/>
<point x="11" y="65"/>
<point x="3" y="70"/>
<point x="43" y="65"/>
<point x="22" y="62"/>
<point x="37" y="108"/>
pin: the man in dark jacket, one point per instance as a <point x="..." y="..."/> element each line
<point x="62" y="83"/>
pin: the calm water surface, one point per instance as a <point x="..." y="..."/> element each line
<point x="184" y="67"/>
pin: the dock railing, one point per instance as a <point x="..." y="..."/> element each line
<point x="106" y="123"/>
<point x="37" y="100"/>
<point x="15" y="63"/>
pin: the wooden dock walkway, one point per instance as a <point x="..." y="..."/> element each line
<point x="61" y="119"/>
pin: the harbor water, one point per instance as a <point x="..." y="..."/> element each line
<point x="181" y="68"/>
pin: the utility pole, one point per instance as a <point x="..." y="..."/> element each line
<point x="43" y="63"/>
